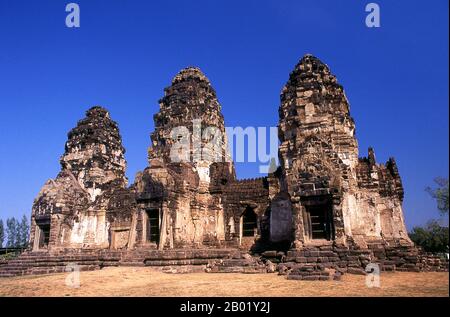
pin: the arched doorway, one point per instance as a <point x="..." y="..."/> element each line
<point x="42" y="234"/>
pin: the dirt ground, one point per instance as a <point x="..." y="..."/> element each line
<point x="148" y="282"/>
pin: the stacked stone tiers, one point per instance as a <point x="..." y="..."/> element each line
<point x="321" y="260"/>
<point x="34" y="263"/>
<point x="170" y="261"/>
<point x="311" y="263"/>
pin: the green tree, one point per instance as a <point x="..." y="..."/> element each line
<point x="23" y="232"/>
<point x="2" y="233"/>
<point x="11" y="231"/>
<point x="432" y="238"/>
<point x="440" y="194"/>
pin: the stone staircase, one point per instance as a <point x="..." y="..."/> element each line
<point x="314" y="262"/>
<point x="31" y="263"/>
<point x="134" y="258"/>
<point x="407" y="259"/>
<point x="204" y="260"/>
<point x="170" y="261"/>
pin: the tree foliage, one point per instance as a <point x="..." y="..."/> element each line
<point x="16" y="233"/>
<point x="440" y="194"/>
<point x="23" y="232"/>
<point x="2" y="233"/>
<point x="432" y="237"/>
<point x="11" y="231"/>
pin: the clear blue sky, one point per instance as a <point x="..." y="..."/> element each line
<point x="126" y="52"/>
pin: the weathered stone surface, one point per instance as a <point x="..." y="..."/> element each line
<point x="73" y="206"/>
<point x="323" y="212"/>
<point x="319" y="161"/>
<point x="179" y="183"/>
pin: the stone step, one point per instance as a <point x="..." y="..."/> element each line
<point x="238" y="269"/>
<point x="45" y="262"/>
<point x="237" y="262"/>
<point x="176" y="262"/>
<point x="182" y="269"/>
<point x="110" y="263"/>
<point x="131" y="263"/>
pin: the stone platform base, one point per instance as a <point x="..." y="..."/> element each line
<point x="169" y="261"/>
<point x="30" y="263"/>
<point x="310" y="263"/>
<point x="330" y="262"/>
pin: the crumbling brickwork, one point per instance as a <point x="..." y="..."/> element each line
<point x="176" y="185"/>
<point x="356" y="200"/>
<point x="70" y="211"/>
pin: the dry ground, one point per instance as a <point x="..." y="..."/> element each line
<point x="147" y="282"/>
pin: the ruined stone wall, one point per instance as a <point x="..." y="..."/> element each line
<point x="121" y="217"/>
<point x="380" y="196"/>
<point x="239" y="195"/>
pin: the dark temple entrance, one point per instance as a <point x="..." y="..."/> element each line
<point x="319" y="219"/>
<point x="249" y="223"/>
<point x="44" y="235"/>
<point x="153" y="224"/>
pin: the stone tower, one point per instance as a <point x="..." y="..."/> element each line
<point x="94" y="153"/>
<point x="189" y="141"/>
<point x="321" y="172"/>
<point x="189" y="126"/>
<point x="70" y="211"/>
<point x="314" y="105"/>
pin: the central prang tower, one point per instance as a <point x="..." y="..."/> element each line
<point x="178" y="189"/>
<point x="189" y="126"/>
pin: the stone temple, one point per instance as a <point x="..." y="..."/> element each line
<point x="325" y="211"/>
